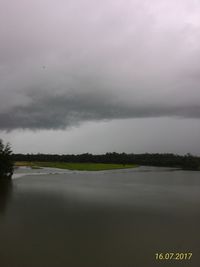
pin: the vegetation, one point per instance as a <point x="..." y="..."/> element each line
<point x="75" y="166"/>
<point x="6" y="163"/>
<point x="187" y="162"/>
<point x="191" y="163"/>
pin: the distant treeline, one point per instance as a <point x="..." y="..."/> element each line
<point x="187" y="161"/>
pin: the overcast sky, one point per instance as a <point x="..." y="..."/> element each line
<point x="96" y="76"/>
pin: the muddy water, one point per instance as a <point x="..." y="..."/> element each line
<point x="121" y="218"/>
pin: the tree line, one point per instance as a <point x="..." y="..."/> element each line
<point x="187" y="161"/>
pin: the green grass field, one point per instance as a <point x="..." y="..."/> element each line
<point x="76" y="166"/>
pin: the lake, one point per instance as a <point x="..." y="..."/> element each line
<point x="119" y="218"/>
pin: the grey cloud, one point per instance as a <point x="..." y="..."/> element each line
<point x="61" y="111"/>
<point x="66" y="62"/>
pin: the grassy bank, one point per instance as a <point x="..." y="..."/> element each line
<point x="75" y="166"/>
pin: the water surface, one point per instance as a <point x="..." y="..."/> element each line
<point x="119" y="218"/>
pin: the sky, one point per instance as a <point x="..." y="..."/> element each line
<point x="96" y="76"/>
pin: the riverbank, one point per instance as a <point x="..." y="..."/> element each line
<point x="75" y="166"/>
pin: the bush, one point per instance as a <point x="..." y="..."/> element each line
<point x="6" y="163"/>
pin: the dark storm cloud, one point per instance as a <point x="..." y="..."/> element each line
<point x="54" y="112"/>
<point x="66" y="62"/>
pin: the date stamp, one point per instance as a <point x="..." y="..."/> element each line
<point x="162" y="256"/>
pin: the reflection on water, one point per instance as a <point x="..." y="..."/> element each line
<point x="5" y="194"/>
<point x="113" y="218"/>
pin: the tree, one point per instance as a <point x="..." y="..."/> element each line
<point x="6" y="163"/>
<point x="190" y="162"/>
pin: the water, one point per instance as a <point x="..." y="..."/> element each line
<point x="120" y="218"/>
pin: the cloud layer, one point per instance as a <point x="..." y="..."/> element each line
<point x="66" y="62"/>
<point x="59" y="112"/>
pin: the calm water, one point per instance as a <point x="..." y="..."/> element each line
<point x="51" y="218"/>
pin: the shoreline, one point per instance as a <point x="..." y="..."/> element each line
<point x="75" y="166"/>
